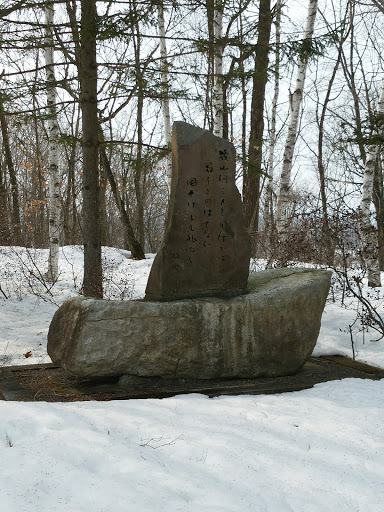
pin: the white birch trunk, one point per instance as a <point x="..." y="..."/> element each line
<point x="282" y="221"/>
<point x="368" y="233"/>
<point x="268" y="203"/>
<point x="165" y="91"/>
<point x="53" y="152"/>
<point x="217" y="97"/>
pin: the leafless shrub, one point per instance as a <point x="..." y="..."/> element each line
<point x="336" y="246"/>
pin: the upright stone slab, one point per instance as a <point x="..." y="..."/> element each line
<point x="206" y="248"/>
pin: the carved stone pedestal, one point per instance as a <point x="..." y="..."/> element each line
<point x="270" y="331"/>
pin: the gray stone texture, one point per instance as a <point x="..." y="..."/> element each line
<point x="206" y="248"/>
<point x="270" y="331"/>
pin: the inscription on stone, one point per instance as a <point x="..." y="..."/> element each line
<point x="206" y="248"/>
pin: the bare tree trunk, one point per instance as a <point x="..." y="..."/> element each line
<point x="165" y="91"/>
<point x="349" y="69"/>
<point x="139" y="176"/>
<point x="70" y="216"/>
<point x="12" y="178"/>
<point x="378" y="200"/>
<point x="328" y="243"/>
<point x="368" y="233"/>
<point x="244" y="117"/>
<point x="53" y="151"/>
<point x="251" y="186"/>
<point x="134" y="245"/>
<point x="268" y="191"/>
<point x="217" y="97"/>
<point x="282" y="221"/>
<point x="208" y="118"/>
<point x="93" y="276"/>
<point x="5" y="238"/>
<point x="104" y="228"/>
<point x="39" y="220"/>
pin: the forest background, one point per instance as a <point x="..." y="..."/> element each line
<point x="89" y="91"/>
<point x="88" y="94"/>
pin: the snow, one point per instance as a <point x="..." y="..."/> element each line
<point x="316" y="450"/>
<point x="341" y="327"/>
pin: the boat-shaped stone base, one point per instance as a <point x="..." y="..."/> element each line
<point x="270" y="331"/>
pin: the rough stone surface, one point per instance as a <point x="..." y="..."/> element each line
<point x="270" y="331"/>
<point x="206" y="248"/>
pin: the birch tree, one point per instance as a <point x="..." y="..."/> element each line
<point x="282" y="220"/>
<point x="217" y="97"/>
<point x="53" y="151"/>
<point x="165" y="90"/>
<point x="368" y="233"/>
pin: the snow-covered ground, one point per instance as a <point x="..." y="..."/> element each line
<point x="317" y="450"/>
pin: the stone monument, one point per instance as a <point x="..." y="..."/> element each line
<point x="206" y="248"/>
<point x="201" y="318"/>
